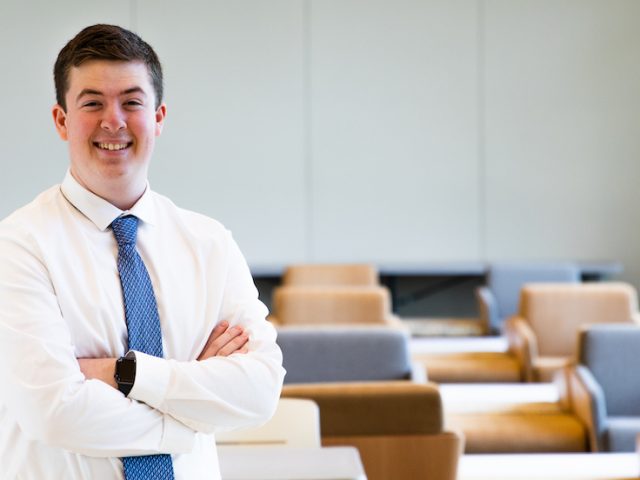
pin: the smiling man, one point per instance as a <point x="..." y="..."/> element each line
<point x="110" y="118"/>
<point x="130" y="329"/>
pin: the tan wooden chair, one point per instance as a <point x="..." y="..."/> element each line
<point x="543" y="335"/>
<point x="312" y="274"/>
<point x="515" y="418"/>
<point x="293" y="305"/>
<point x="396" y="426"/>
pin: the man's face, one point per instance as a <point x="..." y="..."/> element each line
<point x="111" y="123"/>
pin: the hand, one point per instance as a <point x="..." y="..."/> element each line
<point x="224" y="341"/>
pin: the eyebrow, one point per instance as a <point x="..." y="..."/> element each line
<point x="89" y="91"/>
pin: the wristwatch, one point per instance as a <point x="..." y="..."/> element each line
<point x="125" y="374"/>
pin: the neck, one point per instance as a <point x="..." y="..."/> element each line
<point x="120" y="194"/>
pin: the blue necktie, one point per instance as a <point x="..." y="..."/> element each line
<point x="143" y="325"/>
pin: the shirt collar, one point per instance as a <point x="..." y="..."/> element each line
<point x="100" y="211"/>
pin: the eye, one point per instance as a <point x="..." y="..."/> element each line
<point x="133" y="103"/>
<point x="91" y="104"/>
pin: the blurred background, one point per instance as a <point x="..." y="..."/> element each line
<point x="398" y="133"/>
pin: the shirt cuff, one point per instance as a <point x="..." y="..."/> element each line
<point x="152" y="380"/>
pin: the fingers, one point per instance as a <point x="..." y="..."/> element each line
<point x="235" y="345"/>
<point x="215" y="333"/>
<point x="224" y="341"/>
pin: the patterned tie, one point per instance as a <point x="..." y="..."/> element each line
<point x="143" y="324"/>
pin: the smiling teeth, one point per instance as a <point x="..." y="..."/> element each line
<point x="112" y="146"/>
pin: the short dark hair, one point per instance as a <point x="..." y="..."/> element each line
<point x="105" y="42"/>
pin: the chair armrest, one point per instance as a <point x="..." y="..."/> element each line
<point x="488" y="308"/>
<point x="523" y="345"/>
<point x="588" y="403"/>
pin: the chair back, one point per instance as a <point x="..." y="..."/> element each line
<point x="505" y="281"/>
<point x="296" y="423"/>
<point x="396" y="426"/>
<point x="612" y="354"/>
<point x="339" y="354"/>
<point x="374" y="408"/>
<point x="330" y="275"/>
<point x="556" y="312"/>
<point x="331" y="305"/>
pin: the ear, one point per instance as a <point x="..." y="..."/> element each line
<point x="60" y="121"/>
<point x="161" y="113"/>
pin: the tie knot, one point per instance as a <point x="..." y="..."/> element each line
<point x="125" y="230"/>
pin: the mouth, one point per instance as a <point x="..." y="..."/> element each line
<point x="112" y="147"/>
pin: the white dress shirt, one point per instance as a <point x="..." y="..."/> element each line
<point x="61" y="299"/>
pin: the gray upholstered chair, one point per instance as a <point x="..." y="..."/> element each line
<point x="498" y="300"/>
<point x="346" y="354"/>
<point x="605" y="385"/>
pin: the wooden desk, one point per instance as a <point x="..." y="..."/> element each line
<point x="491" y="397"/>
<point x="546" y="466"/>
<point x="285" y="463"/>
<point x="432" y="345"/>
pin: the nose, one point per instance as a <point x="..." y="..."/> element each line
<point x="113" y="119"/>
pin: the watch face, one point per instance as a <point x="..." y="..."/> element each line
<point x="126" y="370"/>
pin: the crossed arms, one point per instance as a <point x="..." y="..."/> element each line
<point x="72" y="404"/>
<point x="223" y="341"/>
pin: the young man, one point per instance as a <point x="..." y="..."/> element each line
<point x="130" y="329"/>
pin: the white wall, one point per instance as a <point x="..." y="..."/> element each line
<point x="368" y="130"/>
<point x="561" y="130"/>
<point x="234" y="144"/>
<point x="394" y="130"/>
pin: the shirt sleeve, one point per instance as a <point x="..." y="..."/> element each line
<point x="220" y="393"/>
<point x="43" y="389"/>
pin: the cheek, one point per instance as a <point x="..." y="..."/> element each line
<point x="144" y="130"/>
<point x="79" y="132"/>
